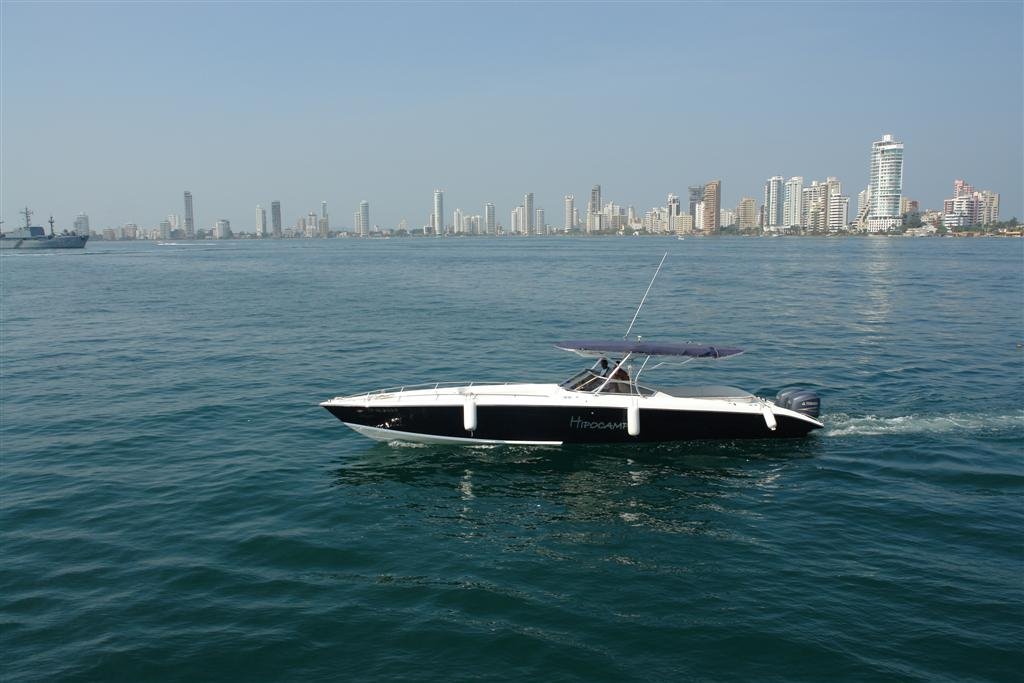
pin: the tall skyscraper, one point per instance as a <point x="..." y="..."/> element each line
<point x="531" y="219"/>
<point x="570" y="212"/>
<point x="275" y="219"/>
<point x="490" y="219"/>
<point x="81" y="226"/>
<point x="539" y="226"/>
<point x="773" y="202"/>
<point x="594" y="210"/>
<point x="886" y="183"/>
<point x="261" y="221"/>
<point x="190" y="218"/>
<point x="712" y="206"/>
<point x="792" y="204"/>
<point x="437" y="218"/>
<point x="364" y="218"/>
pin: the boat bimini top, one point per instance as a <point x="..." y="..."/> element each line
<point x="615" y="379"/>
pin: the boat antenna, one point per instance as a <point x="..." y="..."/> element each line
<point x="51" y="226"/>
<point x="28" y="216"/>
<point x="633" y="321"/>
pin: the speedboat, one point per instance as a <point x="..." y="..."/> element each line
<point x="604" y="403"/>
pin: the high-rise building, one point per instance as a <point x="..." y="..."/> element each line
<point x="814" y="206"/>
<point x="261" y="221"/>
<point x="324" y="222"/>
<point x="81" y="226"/>
<point x="539" y="226"/>
<point x="531" y="219"/>
<point x="773" y="203"/>
<point x="594" y="209"/>
<point x="746" y="213"/>
<point x="518" y="221"/>
<point x="364" y="218"/>
<point x="674" y="207"/>
<point x="792" y="203"/>
<point x="886" y="184"/>
<point x="712" y="206"/>
<point x="838" y="212"/>
<point x="190" y="218"/>
<point x="695" y="194"/>
<point x="490" y="219"/>
<point x="222" y="229"/>
<point x="275" y="219"/>
<point x="570" y="212"/>
<point x="698" y="216"/>
<point x="437" y="218"/>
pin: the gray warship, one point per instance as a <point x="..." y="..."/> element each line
<point x="34" y="237"/>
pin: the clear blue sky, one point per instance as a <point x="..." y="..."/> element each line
<point x="116" y="108"/>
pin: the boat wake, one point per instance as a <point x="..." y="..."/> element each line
<point x="872" y="425"/>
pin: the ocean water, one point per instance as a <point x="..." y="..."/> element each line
<point x="175" y="506"/>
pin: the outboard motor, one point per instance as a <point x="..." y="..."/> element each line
<point x="804" y="401"/>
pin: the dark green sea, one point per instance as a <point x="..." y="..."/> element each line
<point x="174" y="506"/>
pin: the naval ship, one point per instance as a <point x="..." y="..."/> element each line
<point x="34" y="237"/>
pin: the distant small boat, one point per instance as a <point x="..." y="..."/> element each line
<point x="680" y="237"/>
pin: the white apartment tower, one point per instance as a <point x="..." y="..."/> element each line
<point x="792" y="208"/>
<point x="886" y="184"/>
<point x="437" y="218"/>
<point x="490" y="219"/>
<point x="261" y="221"/>
<point x="773" y="201"/>
<point x="364" y="218"/>
<point x="570" y="212"/>
<point x="81" y="224"/>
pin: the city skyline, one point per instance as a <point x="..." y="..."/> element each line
<point x="119" y="138"/>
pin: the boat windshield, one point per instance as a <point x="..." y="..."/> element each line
<point x="593" y="382"/>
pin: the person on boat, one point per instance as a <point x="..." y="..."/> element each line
<point x="620" y="378"/>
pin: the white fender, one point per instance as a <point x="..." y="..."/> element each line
<point x="469" y="414"/>
<point x="769" y="417"/>
<point x="633" y="420"/>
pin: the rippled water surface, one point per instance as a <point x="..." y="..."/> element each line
<point x="175" y="506"/>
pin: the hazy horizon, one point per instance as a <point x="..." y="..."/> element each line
<point x="116" y="109"/>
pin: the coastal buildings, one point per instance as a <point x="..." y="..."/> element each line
<point x="81" y="225"/>
<point x="569" y="221"/>
<point x="886" y="184"/>
<point x="969" y="206"/>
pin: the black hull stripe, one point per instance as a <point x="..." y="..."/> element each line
<point x="570" y="425"/>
